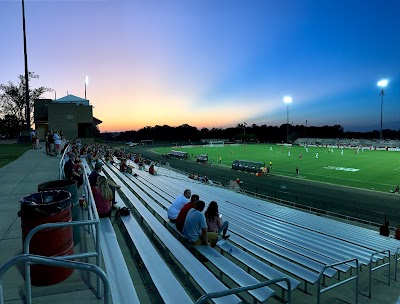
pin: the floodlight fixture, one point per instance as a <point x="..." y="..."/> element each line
<point x="383" y="83"/>
<point x="287" y="99"/>
<point x="86" y="83"/>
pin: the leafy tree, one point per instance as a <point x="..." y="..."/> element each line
<point x="12" y="98"/>
<point x="96" y="132"/>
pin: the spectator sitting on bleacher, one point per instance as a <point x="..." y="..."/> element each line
<point x="141" y="164"/>
<point x="93" y="177"/>
<point x="214" y="222"/>
<point x="178" y="203"/>
<point x="103" y="197"/>
<point x="152" y="171"/>
<point x="123" y="167"/>
<point x="397" y="233"/>
<point x="384" y="229"/>
<point x="180" y="220"/>
<point x="195" y="227"/>
<point x="69" y="171"/>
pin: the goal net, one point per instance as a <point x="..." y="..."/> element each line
<point x="216" y="143"/>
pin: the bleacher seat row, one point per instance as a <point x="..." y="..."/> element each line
<point x="272" y="240"/>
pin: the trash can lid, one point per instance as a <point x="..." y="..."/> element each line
<point x="46" y="202"/>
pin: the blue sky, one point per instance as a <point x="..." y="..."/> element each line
<point x="213" y="63"/>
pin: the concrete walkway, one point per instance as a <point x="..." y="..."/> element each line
<point x="18" y="179"/>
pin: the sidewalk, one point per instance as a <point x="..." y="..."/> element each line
<point x="18" y="179"/>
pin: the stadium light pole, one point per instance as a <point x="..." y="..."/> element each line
<point x="86" y="83"/>
<point x="287" y="100"/>
<point x="244" y="132"/>
<point x="28" y="110"/>
<point x="382" y="84"/>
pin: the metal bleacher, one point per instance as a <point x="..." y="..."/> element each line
<point x="265" y="226"/>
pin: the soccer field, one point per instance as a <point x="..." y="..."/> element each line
<point x="375" y="170"/>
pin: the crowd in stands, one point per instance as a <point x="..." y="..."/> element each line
<point x="103" y="189"/>
<point x="385" y="230"/>
<point x="197" y="227"/>
<point x="203" y="179"/>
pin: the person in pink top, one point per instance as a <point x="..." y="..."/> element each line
<point x="103" y="197"/>
<point x="214" y="221"/>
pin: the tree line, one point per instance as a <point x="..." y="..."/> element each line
<point x="13" y="105"/>
<point x="253" y="133"/>
<point x="13" y="116"/>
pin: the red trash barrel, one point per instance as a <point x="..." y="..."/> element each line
<point x="70" y="186"/>
<point x="41" y="208"/>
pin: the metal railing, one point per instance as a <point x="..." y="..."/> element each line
<point x="62" y="161"/>
<point x="238" y="290"/>
<point x="396" y="259"/>
<point x="33" y="259"/>
<point x="93" y="223"/>
<point x="376" y="268"/>
<point x="356" y="277"/>
<point x="28" y="285"/>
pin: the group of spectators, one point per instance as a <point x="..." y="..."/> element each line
<point x="103" y="189"/>
<point x="54" y="143"/>
<point x="35" y="140"/>
<point x="203" y="179"/>
<point x="385" y="230"/>
<point x="139" y="161"/>
<point x="197" y="227"/>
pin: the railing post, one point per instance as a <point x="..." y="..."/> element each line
<point x="396" y="256"/>
<point x="356" y="277"/>
<point x="376" y="268"/>
<point x="32" y="259"/>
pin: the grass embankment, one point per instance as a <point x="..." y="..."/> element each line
<point x="10" y="152"/>
<point x="374" y="170"/>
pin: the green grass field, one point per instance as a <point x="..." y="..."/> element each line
<point x="10" y="152"/>
<point x="375" y="170"/>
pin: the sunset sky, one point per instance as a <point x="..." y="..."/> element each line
<point x="212" y="63"/>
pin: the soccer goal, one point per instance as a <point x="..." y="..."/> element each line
<point x="216" y="143"/>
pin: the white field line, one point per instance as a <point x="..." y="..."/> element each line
<point x="339" y="178"/>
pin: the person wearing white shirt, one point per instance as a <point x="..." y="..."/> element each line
<point x="57" y="142"/>
<point x="177" y="205"/>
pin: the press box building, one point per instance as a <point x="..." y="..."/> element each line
<point x="70" y="114"/>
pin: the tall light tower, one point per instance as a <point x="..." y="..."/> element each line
<point x="28" y="109"/>
<point x="287" y="100"/>
<point x="86" y="83"/>
<point x="382" y="84"/>
<point x="244" y="132"/>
